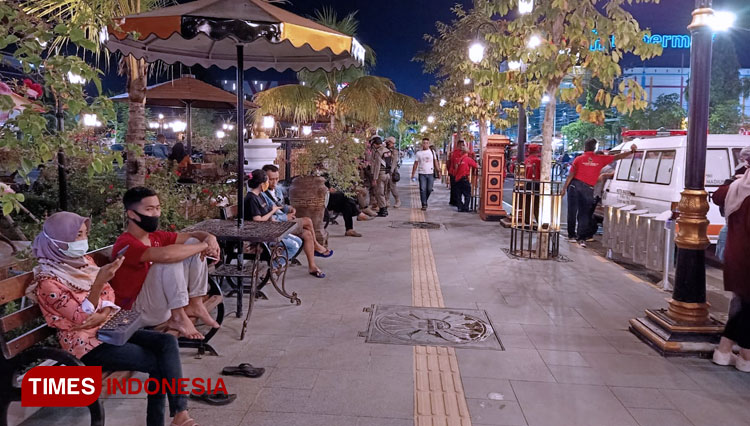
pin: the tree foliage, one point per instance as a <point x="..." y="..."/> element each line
<point x="575" y="39"/>
<point x="725" y="87"/>
<point x="666" y="112"/>
<point x="29" y="140"/>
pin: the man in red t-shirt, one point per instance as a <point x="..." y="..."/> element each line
<point x="580" y="188"/>
<point x="452" y="161"/>
<point x="462" y="174"/>
<point x="533" y="172"/>
<point x="164" y="275"/>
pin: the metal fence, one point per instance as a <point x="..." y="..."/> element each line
<point x="535" y="219"/>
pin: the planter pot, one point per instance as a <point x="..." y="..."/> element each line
<point x="308" y="195"/>
<point x="258" y="153"/>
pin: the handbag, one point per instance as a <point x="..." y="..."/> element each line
<point x="395" y="176"/>
<point x="120" y="328"/>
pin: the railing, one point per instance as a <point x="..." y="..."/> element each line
<point x="535" y="218"/>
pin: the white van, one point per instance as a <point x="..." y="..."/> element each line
<point x="654" y="176"/>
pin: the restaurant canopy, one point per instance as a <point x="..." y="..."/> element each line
<point x="187" y="92"/>
<point x="241" y="33"/>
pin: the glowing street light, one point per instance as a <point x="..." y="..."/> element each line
<point x="515" y="65"/>
<point x="467" y="81"/>
<point x="153" y="125"/>
<point x="178" y="126"/>
<point x="722" y="21"/>
<point x="306" y="130"/>
<point x="161" y="116"/>
<point x="476" y="52"/>
<point x="431" y="119"/>
<point x="220" y="134"/>
<point x="467" y="99"/>
<point x="423" y="129"/>
<point x="443" y="102"/>
<point x="545" y="99"/>
<point x="75" y="78"/>
<point x="90" y="120"/>
<point x="268" y="121"/>
<point x="534" y="42"/>
<point x="525" y="6"/>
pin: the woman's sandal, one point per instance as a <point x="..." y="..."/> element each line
<point x="244" y="369"/>
<point x="214" y="398"/>
<point x="319" y="254"/>
<point x="318" y="274"/>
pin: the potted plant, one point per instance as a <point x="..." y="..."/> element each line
<point x="333" y="156"/>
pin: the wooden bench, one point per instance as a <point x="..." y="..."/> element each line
<point x="24" y="338"/>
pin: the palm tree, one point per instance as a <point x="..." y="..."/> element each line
<point x="92" y="16"/>
<point x="338" y="95"/>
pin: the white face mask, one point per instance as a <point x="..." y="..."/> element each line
<point x="75" y="248"/>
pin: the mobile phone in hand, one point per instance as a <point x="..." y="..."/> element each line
<point x="121" y="253"/>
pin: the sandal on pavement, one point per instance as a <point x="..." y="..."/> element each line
<point x="318" y="274"/>
<point x="214" y="398"/>
<point x="319" y="254"/>
<point x="244" y="369"/>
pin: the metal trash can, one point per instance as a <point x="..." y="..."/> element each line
<point x="621" y="229"/>
<point x="640" y="245"/>
<point x="609" y="237"/>
<point x="656" y="243"/>
<point x="631" y="218"/>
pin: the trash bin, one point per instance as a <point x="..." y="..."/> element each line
<point x="609" y="237"/>
<point x="640" y="246"/>
<point x="631" y="218"/>
<point x="656" y="243"/>
<point x="621" y="228"/>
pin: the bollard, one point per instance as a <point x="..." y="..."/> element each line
<point x="668" y="254"/>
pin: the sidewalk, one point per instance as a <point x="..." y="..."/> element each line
<point x="568" y="360"/>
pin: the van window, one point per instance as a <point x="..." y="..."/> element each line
<point x="666" y="164"/>
<point x="717" y="167"/>
<point x="624" y="171"/>
<point x="650" y="166"/>
<point x="736" y="155"/>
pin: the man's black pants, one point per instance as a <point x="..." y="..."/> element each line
<point x="453" y="197"/>
<point x="581" y="206"/>
<point x="463" y="194"/>
<point x="347" y="207"/>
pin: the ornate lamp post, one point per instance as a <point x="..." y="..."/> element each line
<point x="685" y="326"/>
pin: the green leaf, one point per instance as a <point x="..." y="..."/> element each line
<point x="7" y="208"/>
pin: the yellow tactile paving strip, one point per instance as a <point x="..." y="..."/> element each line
<point x="439" y="398"/>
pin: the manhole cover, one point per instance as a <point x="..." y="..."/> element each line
<point x="408" y="325"/>
<point x="416" y="225"/>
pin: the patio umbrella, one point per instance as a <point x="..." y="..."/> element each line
<point x="187" y="92"/>
<point x="240" y="33"/>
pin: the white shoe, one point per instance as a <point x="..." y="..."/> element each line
<point x="742" y="364"/>
<point x="582" y="244"/>
<point x="721" y="358"/>
<point x="572" y="240"/>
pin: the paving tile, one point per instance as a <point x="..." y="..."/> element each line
<point x="297" y="378"/>
<point x="572" y="359"/>
<point x="576" y="375"/>
<point x="295" y="419"/>
<point x="553" y="340"/>
<point x="515" y="364"/>
<point x="381" y="421"/>
<point x="489" y="412"/>
<point x="555" y="404"/>
<point x="281" y="400"/>
<point x="652" y="417"/>
<point x="642" y="398"/>
<point x="704" y="409"/>
<point x="481" y="388"/>
<point x="638" y="371"/>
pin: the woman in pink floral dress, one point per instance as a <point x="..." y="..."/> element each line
<point x="75" y="298"/>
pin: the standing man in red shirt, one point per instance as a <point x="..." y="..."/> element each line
<point x="580" y="189"/>
<point x="164" y="275"/>
<point x="461" y="173"/>
<point x="452" y="161"/>
<point x="533" y="172"/>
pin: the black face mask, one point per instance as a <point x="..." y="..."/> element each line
<point x="147" y="223"/>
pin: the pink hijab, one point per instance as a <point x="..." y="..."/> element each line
<point x="75" y="272"/>
<point x="739" y="190"/>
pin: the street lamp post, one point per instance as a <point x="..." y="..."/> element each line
<point x="685" y="326"/>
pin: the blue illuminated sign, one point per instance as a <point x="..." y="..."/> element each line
<point x="667" y="41"/>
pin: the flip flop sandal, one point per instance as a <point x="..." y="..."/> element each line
<point x="319" y="254"/>
<point x="188" y="422"/>
<point x="318" y="274"/>
<point x="215" y="398"/>
<point x="244" y="369"/>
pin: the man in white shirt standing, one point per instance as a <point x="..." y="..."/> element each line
<point x="424" y="164"/>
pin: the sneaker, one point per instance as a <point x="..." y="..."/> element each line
<point x="383" y="212"/>
<point x="397" y="205"/>
<point x="721" y="358"/>
<point x="742" y="364"/>
<point x="572" y="240"/>
<point x="582" y="243"/>
<point x="424" y="208"/>
<point x="352" y="233"/>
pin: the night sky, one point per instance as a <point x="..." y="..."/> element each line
<point x="394" y="29"/>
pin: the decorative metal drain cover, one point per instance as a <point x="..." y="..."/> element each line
<point x="409" y="325"/>
<point x="416" y="225"/>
